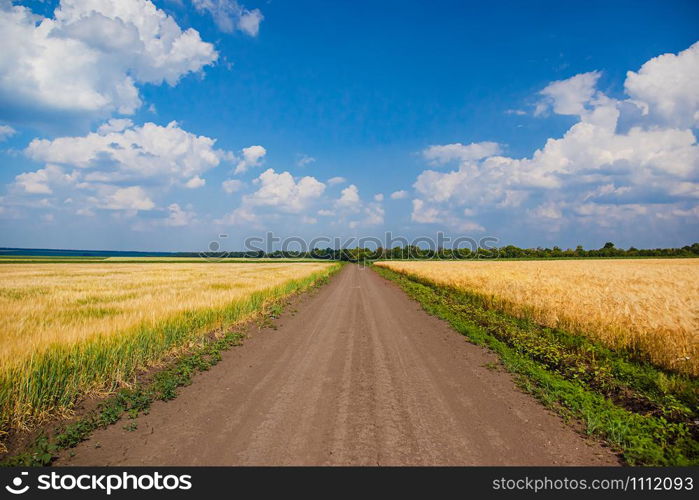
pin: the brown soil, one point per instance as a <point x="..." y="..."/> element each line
<point x="358" y="375"/>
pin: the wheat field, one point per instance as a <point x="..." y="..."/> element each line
<point x="650" y="306"/>
<point x="69" y="328"/>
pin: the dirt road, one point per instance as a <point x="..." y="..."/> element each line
<point x="358" y="375"/>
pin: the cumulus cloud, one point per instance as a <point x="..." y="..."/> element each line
<point x="87" y="59"/>
<point x="283" y="192"/>
<point x="438" y="155"/>
<point x="399" y="195"/>
<point x="229" y="15"/>
<point x="351" y="210"/>
<point x="283" y="197"/>
<point x="276" y="194"/>
<point x="349" y="198"/>
<point x="666" y="88"/>
<point x="120" y="167"/>
<point x="649" y="170"/>
<point x="166" y="155"/>
<point x="251" y="157"/>
<point x="569" y="97"/>
<point x="114" y="125"/>
<point x="43" y="180"/>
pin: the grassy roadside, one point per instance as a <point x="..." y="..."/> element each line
<point x="184" y="337"/>
<point x="647" y="414"/>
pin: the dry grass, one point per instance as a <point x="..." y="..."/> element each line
<point x="648" y="306"/>
<point x="69" y="328"/>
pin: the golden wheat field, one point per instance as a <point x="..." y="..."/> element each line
<point x="70" y="328"/>
<point x="649" y="306"/>
<point x="44" y="304"/>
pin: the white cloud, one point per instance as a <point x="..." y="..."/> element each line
<point x="6" y="132"/>
<point x="120" y="167"/>
<point x="649" y="169"/>
<point x="232" y="185"/>
<point x="114" y="125"/>
<point x="667" y="88"/>
<point x="229" y="15"/>
<point x="284" y="193"/>
<point x="469" y="226"/>
<point x="166" y="155"/>
<point x="336" y="180"/>
<point x="399" y="195"/>
<point x="438" y="155"/>
<point x="178" y="216"/>
<point x="304" y="159"/>
<point x="374" y="213"/>
<point x="130" y="198"/>
<point x="548" y="210"/>
<point x="349" y="198"/>
<point x="42" y="180"/>
<point x="251" y="157"/>
<point x="250" y="21"/>
<point x="277" y="193"/>
<point x="240" y="216"/>
<point x="424" y="213"/>
<point x="350" y="205"/>
<point x="282" y="197"/>
<point x="195" y="182"/>
<point x="569" y="97"/>
<point x="88" y="58"/>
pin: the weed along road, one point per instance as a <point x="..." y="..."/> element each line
<point x="355" y="373"/>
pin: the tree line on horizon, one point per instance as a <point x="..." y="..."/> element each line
<point x="609" y="250"/>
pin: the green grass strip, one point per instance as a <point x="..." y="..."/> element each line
<point x="130" y="401"/>
<point x="645" y="413"/>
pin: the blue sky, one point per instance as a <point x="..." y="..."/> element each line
<point x="516" y="120"/>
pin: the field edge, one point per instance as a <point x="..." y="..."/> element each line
<point x="159" y="383"/>
<point x="640" y="439"/>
